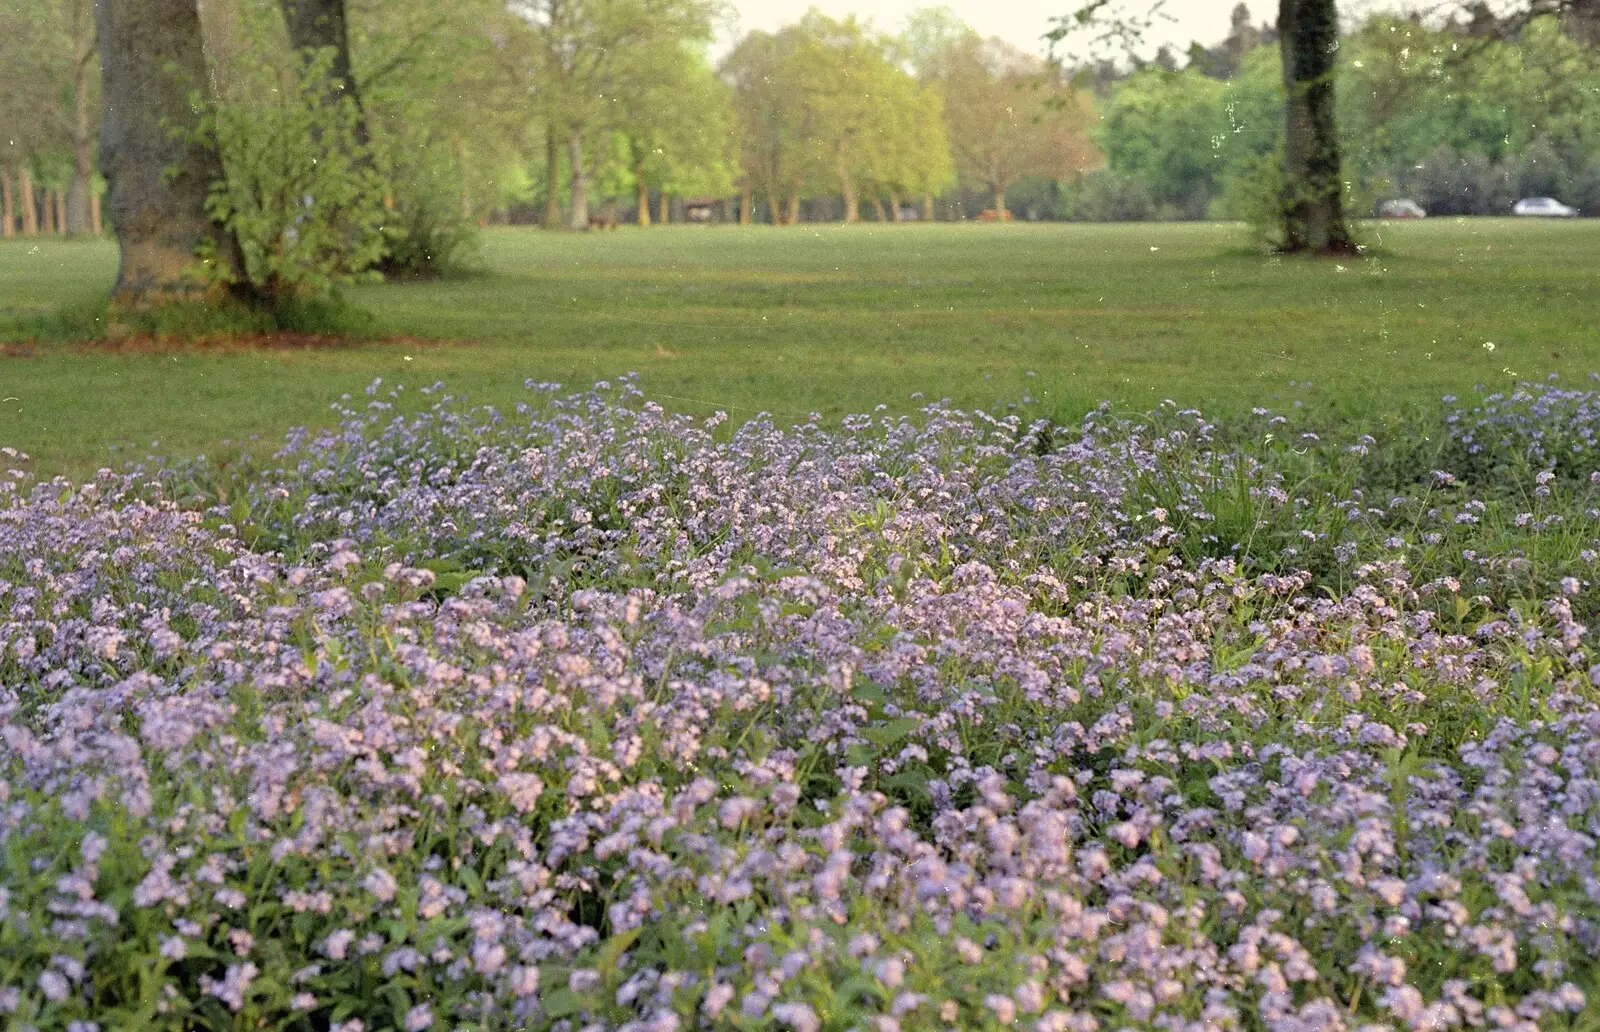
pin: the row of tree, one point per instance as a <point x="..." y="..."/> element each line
<point x="1463" y="121"/>
<point x="48" y="108"/>
<point x="587" y="102"/>
<point x="295" y="144"/>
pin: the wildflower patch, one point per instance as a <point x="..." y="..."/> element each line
<point x="591" y="717"/>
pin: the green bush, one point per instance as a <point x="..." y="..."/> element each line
<point x="427" y="231"/>
<point x="300" y="193"/>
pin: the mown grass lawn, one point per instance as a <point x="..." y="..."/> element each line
<point x="836" y="320"/>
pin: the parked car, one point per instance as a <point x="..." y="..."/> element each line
<point x="1401" y="208"/>
<point x="1547" y="207"/>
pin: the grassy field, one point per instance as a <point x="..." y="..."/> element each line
<point x="835" y="320"/>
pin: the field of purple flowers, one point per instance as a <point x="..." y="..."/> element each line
<point x="590" y="717"/>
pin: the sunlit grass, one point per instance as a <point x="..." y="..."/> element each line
<point x="834" y="320"/>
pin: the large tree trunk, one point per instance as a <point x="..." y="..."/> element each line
<point x="30" y="207"/>
<point x="793" y="216"/>
<point x="1000" y="201"/>
<point x="894" y="205"/>
<point x="928" y="214"/>
<point x="552" y="168"/>
<point x="78" y="217"/>
<point x="158" y="171"/>
<point x="1308" y="37"/>
<point x="777" y="212"/>
<point x="663" y="208"/>
<point x="8" y="205"/>
<point x="321" y="25"/>
<point x="747" y="200"/>
<point x="579" y="217"/>
<point x="58" y="202"/>
<point x="95" y="225"/>
<point x="878" y="209"/>
<point x="847" y="187"/>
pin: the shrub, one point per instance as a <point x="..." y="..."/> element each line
<point x="426" y="230"/>
<point x="300" y="192"/>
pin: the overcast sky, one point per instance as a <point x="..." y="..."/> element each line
<point x="1021" y="22"/>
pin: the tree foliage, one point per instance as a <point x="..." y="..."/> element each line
<point x="299" y="192"/>
<point x="1010" y="115"/>
<point x="1463" y="125"/>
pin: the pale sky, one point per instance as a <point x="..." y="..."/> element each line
<point x="1021" y="22"/>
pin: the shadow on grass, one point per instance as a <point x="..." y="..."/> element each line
<point x="322" y="322"/>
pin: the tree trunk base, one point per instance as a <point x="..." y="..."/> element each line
<point x="1333" y="249"/>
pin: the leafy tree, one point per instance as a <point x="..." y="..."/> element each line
<point x="866" y="121"/>
<point x="1162" y="130"/>
<point x="1009" y="116"/>
<point x="582" y="50"/>
<point x="910" y="156"/>
<point x="443" y="173"/>
<point x="79" y="19"/>
<point x="844" y="74"/>
<point x="48" y="100"/>
<point x="1310" y="209"/>
<point x="771" y="120"/>
<point x="674" y="117"/>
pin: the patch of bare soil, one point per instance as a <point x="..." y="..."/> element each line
<point x="154" y="344"/>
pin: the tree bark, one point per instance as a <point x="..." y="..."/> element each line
<point x="777" y="212"/>
<point x="928" y="214"/>
<point x="58" y="202"/>
<point x="1313" y="218"/>
<point x="8" y="205"/>
<point x="78" y="217"/>
<point x="159" y="173"/>
<point x="47" y="213"/>
<point x="321" y="25"/>
<point x="792" y="218"/>
<point x="663" y="208"/>
<point x="96" y="227"/>
<point x="1000" y="201"/>
<point x="30" y="207"/>
<point x="552" y="165"/>
<point x="641" y="195"/>
<point x="747" y="200"/>
<point x="847" y="187"/>
<point x="579" y="218"/>
<point x="894" y="205"/>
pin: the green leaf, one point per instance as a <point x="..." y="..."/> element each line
<point x="560" y="1003"/>
<point x="614" y="948"/>
<point x="892" y="732"/>
<point x="860" y="755"/>
<point x="868" y="692"/>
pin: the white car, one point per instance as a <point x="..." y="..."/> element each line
<point x="1547" y="207"/>
<point x="1403" y="208"/>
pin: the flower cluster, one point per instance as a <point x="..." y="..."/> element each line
<point x="591" y="717"/>
<point x="1542" y="425"/>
